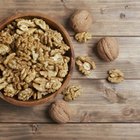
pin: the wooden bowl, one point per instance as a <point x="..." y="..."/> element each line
<point x="54" y="25"/>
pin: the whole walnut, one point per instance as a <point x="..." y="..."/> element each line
<point x="81" y="20"/>
<point x="60" y="112"/>
<point x="108" y="48"/>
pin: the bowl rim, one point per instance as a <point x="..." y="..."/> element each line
<point x="68" y="41"/>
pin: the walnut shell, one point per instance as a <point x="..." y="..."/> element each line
<point x="108" y="48"/>
<point x="60" y="112"/>
<point x="81" y="20"/>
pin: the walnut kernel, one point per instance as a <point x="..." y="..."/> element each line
<point x="83" y="37"/>
<point x="115" y="76"/>
<point x="71" y="92"/>
<point x="85" y="64"/>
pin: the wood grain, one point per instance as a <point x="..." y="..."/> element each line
<point x="128" y="60"/>
<point x="91" y="106"/>
<point x="114" y="18"/>
<point x="96" y="114"/>
<point x="94" y="131"/>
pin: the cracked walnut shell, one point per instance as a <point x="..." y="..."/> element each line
<point x="85" y="64"/>
<point x="115" y="76"/>
<point x="108" y="48"/>
<point x="60" y="112"/>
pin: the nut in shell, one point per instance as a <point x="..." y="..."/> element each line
<point x="60" y="112"/>
<point x="81" y="21"/>
<point x="108" y="48"/>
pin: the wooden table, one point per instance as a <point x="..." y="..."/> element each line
<point x="96" y="117"/>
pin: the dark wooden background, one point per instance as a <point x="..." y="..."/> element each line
<point x="96" y="117"/>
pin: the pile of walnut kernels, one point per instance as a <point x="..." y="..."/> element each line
<point x="33" y="60"/>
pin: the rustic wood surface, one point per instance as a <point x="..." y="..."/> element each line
<point x="96" y="114"/>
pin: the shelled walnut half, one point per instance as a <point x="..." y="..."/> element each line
<point x="85" y="64"/>
<point x="72" y="92"/>
<point x="115" y="76"/>
<point x="83" y="37"/>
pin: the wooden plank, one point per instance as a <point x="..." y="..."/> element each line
<point x="128" y="60"/>
<point x="114" y="18"/>
<point x="95" y="131"/>
<point x="91" y="106"/>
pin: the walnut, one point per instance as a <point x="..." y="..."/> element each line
<point x="41" y="23"/>
<point x="4" y="49"/>
<point x="2" y="79"/>
<point x="2" y="68"/>
<point x="53" y="85"/>
<point x="39" y="95"/>
<point x="25" y="22"/>
<point x="53" y="38"/>
<point x="63" y="46"/>
<point x="71" y="92"/>
<point x="40" y="84"/>
<point x="81" y="21"/>
<point x="23" y="28"/>
<point x="108" y="48"/>
<point x="3" y="83"/>
<point x="58" y="58"/>
<point x="60" y="112"/>
<point x="39" y="33"/>
<point x="30" y="76"/>
<point x="85" y="64"/>
<point x="10" y="29"/>
<point x="24" y="73"/>
<point x="19" y="32"/>
<point x="9" y="90"/>
<point x="63" y="70"/>
<point x="48" y="73"/>
<point x="25" y="94"/>
<point x="115" y="76"/>
<point x="13" y="64"/>
<point x="2" y="58"/>
<point x="83" y="36"/>
<point x="7" y="73"/>
<point x="9" y="57"/>
<point x="5" y="38"/>
<point x="34" y="55"/>
<point x="56" y="51"/>
<point x="31" y="30"/>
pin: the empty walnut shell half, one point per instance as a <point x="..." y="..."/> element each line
<point x="60" y="112"/>
<point x="81" y="20"/>
<point x="108" y="48"/>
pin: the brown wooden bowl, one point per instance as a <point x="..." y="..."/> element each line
<point x="54" y="25"/>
